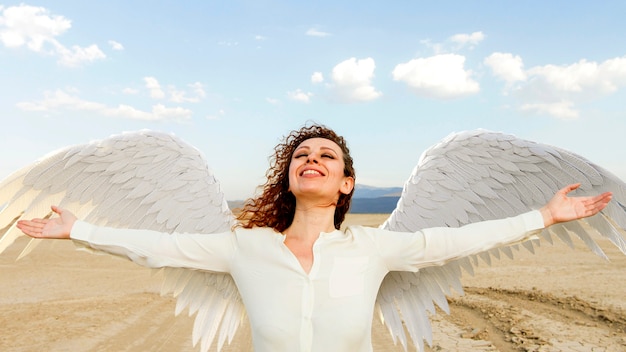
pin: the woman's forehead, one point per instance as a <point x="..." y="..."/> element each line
<point x="319" y="142"/>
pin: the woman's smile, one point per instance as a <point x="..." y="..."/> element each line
<point x="311" y="172"/>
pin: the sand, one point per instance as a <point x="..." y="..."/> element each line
<point x="559" y="299"/>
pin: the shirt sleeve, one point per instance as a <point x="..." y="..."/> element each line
<point x="439" y="245"/>
<point x="211" y="252"/>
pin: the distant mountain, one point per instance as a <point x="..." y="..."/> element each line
<point x="380" y="205"/>
<point x="374" y="200"/>
<point x="366" y="200"/>
<point x="364" y="191"/>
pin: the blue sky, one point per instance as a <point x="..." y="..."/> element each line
<point x="232" y="77"/>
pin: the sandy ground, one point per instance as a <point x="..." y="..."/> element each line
<point x="60" y="299"/>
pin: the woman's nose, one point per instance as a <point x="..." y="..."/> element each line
<point x="312" y="159"/>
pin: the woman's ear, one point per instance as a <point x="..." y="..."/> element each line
<point x="347" y="185"/>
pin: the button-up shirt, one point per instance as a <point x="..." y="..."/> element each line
<point x="331" y="307"/>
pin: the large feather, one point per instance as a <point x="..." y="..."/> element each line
<point x="481" y="175"/>
<point x="145" y="180"/>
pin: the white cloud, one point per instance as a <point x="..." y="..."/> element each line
<point x="227" y="43"/>
<point x="273" y="101"/>
<point x="553" y="89"/>
<point x="130" y="91"/>
<point x="299" y="95"/>
<point x="198" y="89"/>
<point x="76" y="56"/>
<point x="35" y="28"/>
<point x="454" y="42"/>
<point x="316" y="33"/>
<point x="437" y="48"/>
<point x="128" y="111"/>
<point x="154" y="87"/>
<point x="562" y="110"/>
<point x="179" y="96"/>
<point x="317" y="77"/>
<point x="61" y="100"/>
<point x="160" y="112"/>
<point x="439" y="76"/>
<point x="605" y="77"/>
<point x="468" y="39"/>
<point x="506" y="66"/>
<point x="352" y="80"/>
<point x="260" y="37"/>
<point x="31" y="26"/>
<point x="115" y="45"/>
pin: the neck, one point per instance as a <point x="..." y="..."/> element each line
<point x="309" y="220"/>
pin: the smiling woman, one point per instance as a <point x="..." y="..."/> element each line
<point x="303" y="283"/>
<point x="276" y="206"/>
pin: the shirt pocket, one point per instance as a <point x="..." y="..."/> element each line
<point x="347" y="276"/>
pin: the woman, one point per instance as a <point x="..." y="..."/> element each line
<point x="306" y="285"/>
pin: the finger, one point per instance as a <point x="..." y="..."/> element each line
<point x="56" y="209"/>
<point x="35" y="223"/>
<point x="602" y="198"/>
<point x="30" y="230"/>
<point x="600" y="202"/>
<point x="567" y="189"/>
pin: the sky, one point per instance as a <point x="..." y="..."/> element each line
<point x="233" y="77"/>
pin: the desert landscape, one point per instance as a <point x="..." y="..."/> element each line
<point x="558" y="299"/>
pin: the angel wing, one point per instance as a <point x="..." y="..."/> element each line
<point x="146" y="180"/>
<point x="481" y="175"/>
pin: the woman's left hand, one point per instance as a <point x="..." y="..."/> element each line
<point x="562" y="208"/>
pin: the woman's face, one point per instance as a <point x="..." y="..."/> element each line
<point x="317" y="170"/>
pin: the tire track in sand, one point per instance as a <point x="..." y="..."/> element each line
<point x="518" y="320"/>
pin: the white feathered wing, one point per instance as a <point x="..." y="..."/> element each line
<point x="144" y="180"/>
<point x="481" y="175"/>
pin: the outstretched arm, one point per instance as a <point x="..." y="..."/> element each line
<point x="148" y="248"/>
<point x="439" y="245"/>
<point x="562" y="208"/>
<point x="58" y="227"/>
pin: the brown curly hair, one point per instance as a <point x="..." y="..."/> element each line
<point x="276" y="206"/>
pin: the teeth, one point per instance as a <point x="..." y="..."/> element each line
<point x="310" y="172"/>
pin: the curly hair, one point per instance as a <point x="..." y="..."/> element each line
<point x="276" y="206"/>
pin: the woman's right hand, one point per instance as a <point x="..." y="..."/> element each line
<point x="58" y="227"/>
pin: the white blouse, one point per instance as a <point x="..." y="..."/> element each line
<point x="331" y="307"/>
